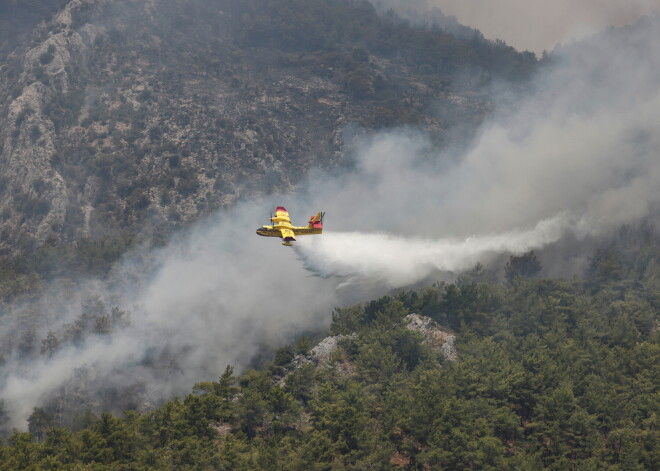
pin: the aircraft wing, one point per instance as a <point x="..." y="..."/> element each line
<point x="281" y="216"/>
<point x="287" y="235"/>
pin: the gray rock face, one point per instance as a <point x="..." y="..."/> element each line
<point x="434" y="335"/>
<point x="142" y="116"/>
<point x="34" y="197"/>
<point x="322" y="352"/>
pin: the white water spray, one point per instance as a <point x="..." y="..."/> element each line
<point x="399" y="261"/>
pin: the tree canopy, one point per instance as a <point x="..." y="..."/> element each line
<point x="549" y="374"/>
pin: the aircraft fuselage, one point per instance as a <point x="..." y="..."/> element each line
<point x="283" y="228"/>
<point x="270" y="231"/>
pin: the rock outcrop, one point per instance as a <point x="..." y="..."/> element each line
<point x="434" y="335"/>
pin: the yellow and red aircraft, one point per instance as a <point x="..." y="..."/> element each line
<point x="283" y="228"/>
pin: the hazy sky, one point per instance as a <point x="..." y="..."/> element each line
<point x="539" y="24"/>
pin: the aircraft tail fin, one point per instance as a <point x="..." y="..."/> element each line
<point x="316" y="221"/>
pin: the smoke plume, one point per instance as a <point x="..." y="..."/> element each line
<point x="579" y="156"/>
<point x="215" y="296"/>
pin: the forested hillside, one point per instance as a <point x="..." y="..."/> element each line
<point x="138" y="143"/>
<point x="143" y="116"/>
<point x="543" y="374"/>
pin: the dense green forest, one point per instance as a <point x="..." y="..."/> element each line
<point x="549" y="374"/>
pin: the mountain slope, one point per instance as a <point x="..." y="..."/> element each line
<point x="142" y="115"/>
<point x="549" y="375"/>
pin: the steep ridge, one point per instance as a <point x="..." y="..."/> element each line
<point x="141" y="116"/>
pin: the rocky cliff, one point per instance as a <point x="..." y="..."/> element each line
<point x="140" y="116"/>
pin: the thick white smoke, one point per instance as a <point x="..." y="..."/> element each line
<point x="581" y="151"/>
<point x="215" y="296"/>
<point x="578" y="156"/>
<point x="395" y="262"/>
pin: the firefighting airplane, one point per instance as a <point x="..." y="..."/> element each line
<point x="283" y="229"/>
